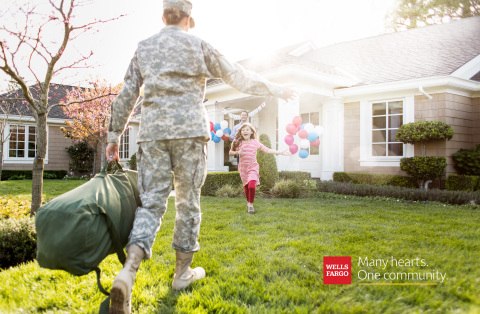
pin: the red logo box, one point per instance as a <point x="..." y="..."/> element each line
<point x="337" y="270"/>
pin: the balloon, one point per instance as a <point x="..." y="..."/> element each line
<point x="309" y="127"/>
<point x="289" y="139"/>
<point x="291" y="129"/>
<point x="319" y="130"/>
<point x="216" y="139"/>
<point x="315" y="143"/>
<point x="219" y="133"/>
<point x="302" y="126"/>
<point x="303" y="153"/>
<point x="212" y="135"/>
<point x="223" y="124"/>
<point x="225" y="137"/>
<point x="312" y="136"/>
<point x="227" y="131"/>
<point x="217" y="126"/>
<point x="293" y="148"/>
<point x="211" y="126"/>
<point x="304" y="144"/>
<point x="302" y="134"/>
<point x="297" y="120"/>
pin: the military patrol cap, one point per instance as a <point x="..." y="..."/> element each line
<point x="182" y="5"/>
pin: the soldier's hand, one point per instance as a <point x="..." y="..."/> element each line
<point x="290" y="93"/>
<point x="112" y="152"/>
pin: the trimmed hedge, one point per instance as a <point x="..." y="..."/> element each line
<point x="268" y="165"/>
<point x="463" y="183"/>
<point x="424" y="167"/>
<point x="18" y="241"/>
<point x="375" y="179"/>
<point x="297" y="176"/>
<point x="409" y="194"/>
<point x="47" y="174"/>
<point x="216" y="180"/>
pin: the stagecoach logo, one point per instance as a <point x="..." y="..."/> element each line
<point x="337" y="270"/>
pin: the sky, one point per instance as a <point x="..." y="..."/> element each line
<point x="238" y="29"/>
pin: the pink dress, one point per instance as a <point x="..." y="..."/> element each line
<point x="248" y="165"/>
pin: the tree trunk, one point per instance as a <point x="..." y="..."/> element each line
<point x="102" y="152"/>
<point x="1" y="159"/>
<point x="94" y="161"/>
<point x="39" y="163"/>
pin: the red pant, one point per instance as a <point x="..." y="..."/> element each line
<point x="250" y="191"/>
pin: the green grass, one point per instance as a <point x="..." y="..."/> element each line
<point x="272" y="262"/>
<point x="51" y="188"/>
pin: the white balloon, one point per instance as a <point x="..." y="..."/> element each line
<point x="219" y="133"/>
<point x="304" y="144"/>
<point x="309" y="127"/>
<point x="319" y="130"/>
<point x="224" y="124"/>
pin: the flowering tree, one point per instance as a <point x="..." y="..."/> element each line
<point x="89" y="119"/>
<point x="33" y="39"/>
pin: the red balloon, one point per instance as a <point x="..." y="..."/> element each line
<point x="303" y="134"/>
<point x="315" y="143"/>
<point x="225" y="137"/>
<point x="297" y="121"/>
<point x="293" y="148"/>
<point x="211" y="127"/>
<point x="291" y="129"/>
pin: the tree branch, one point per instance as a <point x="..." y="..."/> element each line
<point x="83" y="101"/>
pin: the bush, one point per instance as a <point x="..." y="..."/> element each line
<point x="286" y="189"/>
<point x="374" y="179"/>
<point x="27" y="174"/>
<point x="17" y="241"/>
<point x="409" y="194"/>
<point x="14" y="207"/>
<point x="229" y="191"/>
<point x="17" y="177"/>
<point x="297" y="176"/>
<point x="82" y="157"/>
<point x="424" y="168"/>
<point x="132" y="162"/>
<point x="268" y="165"/>
<point x="467" y="161"/>
<point x="424" y="131"/>
<point x="216" y="180"/>
<point x="463" y="183"/>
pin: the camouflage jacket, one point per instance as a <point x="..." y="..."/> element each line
<point x="173" y="66"/>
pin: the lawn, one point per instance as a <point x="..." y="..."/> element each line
<point x="272" y="262"/>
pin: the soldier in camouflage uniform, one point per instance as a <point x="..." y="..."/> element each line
<point x="173" y="67"/>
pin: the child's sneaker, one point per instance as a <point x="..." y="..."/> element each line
<point x="250" y="209"/>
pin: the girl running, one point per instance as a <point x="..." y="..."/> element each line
<point x="245" y="145"/>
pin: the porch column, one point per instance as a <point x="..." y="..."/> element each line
<point x="332" y="138"/>
<point x="286" y="111"/>
<point x="215" y="159"/>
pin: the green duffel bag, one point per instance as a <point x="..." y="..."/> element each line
<point x="78" y="229"/>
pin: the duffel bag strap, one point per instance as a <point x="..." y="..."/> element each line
<point x="99" y="284"/>
<point x="117" y="165"/>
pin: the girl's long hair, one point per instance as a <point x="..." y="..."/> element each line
<point x="239" y="138"/>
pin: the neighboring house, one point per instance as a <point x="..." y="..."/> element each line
<point x="361" y="92"/>
<point x="19" y="151"/>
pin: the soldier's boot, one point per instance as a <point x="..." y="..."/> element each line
<point x="121" y="293"/>
<point x="184" y="275"/>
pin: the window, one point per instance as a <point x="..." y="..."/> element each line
<point x="23" y="141"/>
<point x="387" y="117"/>
<point x="313" y="118"/>
<point x="124" y="149"/>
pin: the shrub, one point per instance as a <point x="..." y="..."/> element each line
<point x="17" y="241"/>
<point x="17" y="177"/>
<point x="47" y="174"/>
<point x="298" y="176"/>
<point x="268" y="165"/>
<point x="215" y="180"/>
<point x="409" y="194"/>
<point x="286" y="189"/>
<point x="14" y="207"/>
<point x="132" y="162"/>
<point x="424" y="168"/>
<point x="423" y="132"/>
<point x="463" y="183"/>
<point x="229" y="191"/>
<point x="467" y="161"/>
<point x="374" y="179"/>
<point x="82" y="157"/>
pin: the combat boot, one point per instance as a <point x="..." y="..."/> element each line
<point x="184" y="275"/>
<point x="121" y="293"/>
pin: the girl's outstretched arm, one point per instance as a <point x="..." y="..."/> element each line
<point x="277" y="152"/>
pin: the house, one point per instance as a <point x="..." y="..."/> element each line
<point x="361" y="92"/>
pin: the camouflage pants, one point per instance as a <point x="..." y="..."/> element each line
<point x="187" y="159"/>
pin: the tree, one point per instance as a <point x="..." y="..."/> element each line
<point x="33" y="44"/>
<point x="414" y="13"/>
<point x="89" y="119"/>
<point x="268" y="165"/>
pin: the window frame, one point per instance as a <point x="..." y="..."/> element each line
<point x="6" y="145"/>
<point x="124" y="143"/>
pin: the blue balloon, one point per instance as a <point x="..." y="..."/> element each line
<point x="216" y="139"/>
<point x="212" y="135"/>
<point x="302" y="126"/>
<point x="217" y="126"/>
<point x="303" y="153"/>
<point x="312" y="136"/>
<point x="227" y="130"/>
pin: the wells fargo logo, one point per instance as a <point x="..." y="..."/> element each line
<point x="337" y="270"/>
